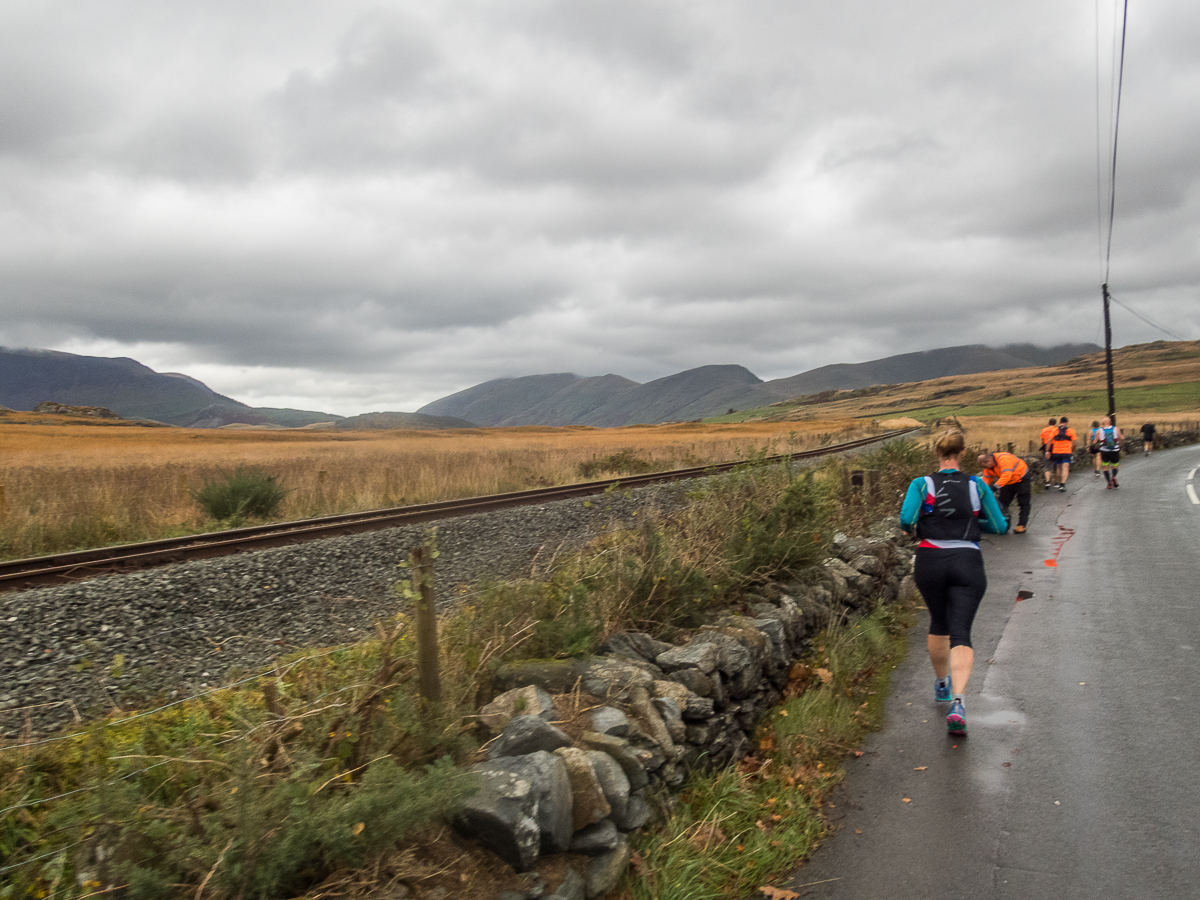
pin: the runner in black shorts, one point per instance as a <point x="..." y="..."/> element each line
<point x="1110" y="451"/>
<point x="948" y="510"/>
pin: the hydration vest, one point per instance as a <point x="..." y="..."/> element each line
<point x="1109" y="439"/>
<point x="1062" y="434"/>
<point x="950" y="511"/>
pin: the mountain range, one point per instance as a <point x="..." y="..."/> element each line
<point x="609" y="400"/>
<point x="29" y="377"/>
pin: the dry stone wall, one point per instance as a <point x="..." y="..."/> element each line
<point x="662" y="710"/>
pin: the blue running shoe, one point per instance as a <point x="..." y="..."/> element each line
<point x="956" y="719"/>
<point x="941" y="692"/>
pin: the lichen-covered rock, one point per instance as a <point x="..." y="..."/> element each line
<point x="587" y="797"/>
<point x="609" y="720"/>
<point x="631" y="761"/>
<point x="866" y="564"/>
<point x="547" y="776"/>
<point x="527" y="734"/>
<point x="672" y="716"/>
<point x="612" y="781"/>
<point x="651" y="721"/>
<point x="530" y="700"/>
<point x="501" y="817"/>
<point x="700" y="684"/>
<point x="607" y="677"/>
<point x="699" y="655"/>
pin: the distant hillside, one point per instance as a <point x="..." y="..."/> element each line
<point x="29" y="377"/>
<point x="610" y="400"/>
<point x="925" y="365"/>
<point x="386" y="421"/>
<point x="705" y="391"/>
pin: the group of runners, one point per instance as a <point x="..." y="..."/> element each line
<point x="950" y="510"/>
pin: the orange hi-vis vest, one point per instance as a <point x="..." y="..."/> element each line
<point x="1048" y="433"/>
<point x="1066" y="445"/>
<point x="1007" y="469"/>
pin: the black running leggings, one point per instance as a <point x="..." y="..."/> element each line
<point x="952" y="583"/>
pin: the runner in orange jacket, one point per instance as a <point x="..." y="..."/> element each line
<point x="1047" y="434"/>
<point x="1009" y="476"/>
<point x="1062" y="451"/>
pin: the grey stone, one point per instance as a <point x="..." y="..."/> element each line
<point x="700" y="735"/>
<point x="573" y="887"/>
<point x="558" y="676"/>
<point x="672" y="716"/>
<point x="612" y="779"/>
<point x="596" y="839"/>
<point x="527" y="734"/>
<point x="604" y="677"/>
<point x="651" y="721"/>
<point x="626" y="756"/>
<point x="732" y="657"/>
<point x="696" y="682"/>
<point x="637" y="814"/>
<point x="605" y="871"/>
<point x="587" y="796"/>
<point x="634" y="645"/>
<point x="697" y="655"/>
<point x="908" y="589"/>
<point x="698" y="709"/>
<point x="608" y="720"/>
<point x="547" y="775"/>
<point x="501" y="817"/>
<point x="530" y="700"/>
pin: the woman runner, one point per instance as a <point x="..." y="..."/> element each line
<point x="948" y="510"/>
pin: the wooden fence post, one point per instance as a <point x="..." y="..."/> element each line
<point x="427" y="633"/>
<point x="389" y="483"/>
<point x="321" y="476"/>
<point x="3" y="500"/>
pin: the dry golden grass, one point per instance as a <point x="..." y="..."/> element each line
<point x="71" y="486"/>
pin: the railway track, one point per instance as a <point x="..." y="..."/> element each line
<point x="68" y="568"/>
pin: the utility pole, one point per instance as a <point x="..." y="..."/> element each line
<point x="1112" y="403"/>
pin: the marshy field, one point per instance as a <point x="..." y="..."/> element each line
<point x="68" y="487"/>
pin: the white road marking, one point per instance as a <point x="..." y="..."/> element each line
<point x="1192" y="474"/>
<point x="1192" y="494"/>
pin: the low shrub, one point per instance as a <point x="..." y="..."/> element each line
<point x="623" y="462"/>
<point x="242" y="494"/>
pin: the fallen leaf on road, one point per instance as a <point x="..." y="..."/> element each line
<point x="920" y="768"/>
<point x="858" y="753"/>
<point x="774" y="893"/>
<point x="906" y="800"/>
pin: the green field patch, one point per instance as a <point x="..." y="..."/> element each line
<point x="1150" y="398"/>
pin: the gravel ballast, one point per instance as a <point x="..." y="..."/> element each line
<point x="121" y="641"/>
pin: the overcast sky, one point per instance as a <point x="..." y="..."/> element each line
<point x="352" y="206"/>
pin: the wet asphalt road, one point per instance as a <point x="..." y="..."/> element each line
<point x="1081" y="774"/>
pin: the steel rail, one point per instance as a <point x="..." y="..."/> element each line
<point x="68" y="568"/>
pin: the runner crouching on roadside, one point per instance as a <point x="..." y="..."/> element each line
<point x="1009" y="476"/>
<point x="948" y="510"/>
